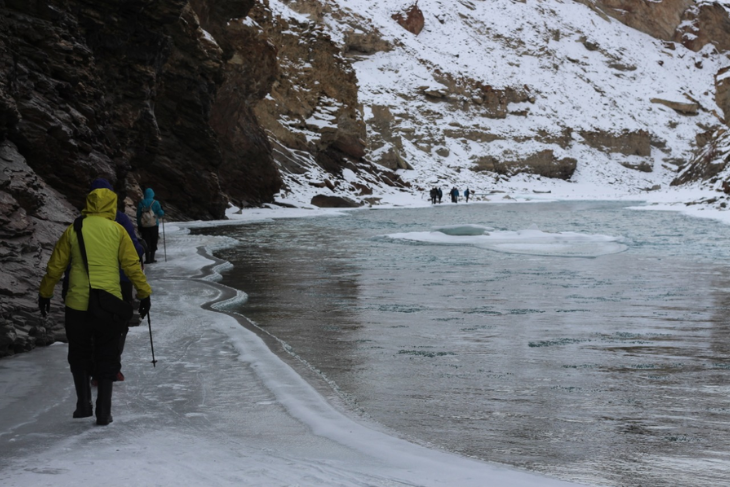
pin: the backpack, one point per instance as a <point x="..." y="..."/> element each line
<point x="148" y="217"/>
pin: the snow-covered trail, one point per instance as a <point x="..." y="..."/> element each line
<point x="219" y="409"/>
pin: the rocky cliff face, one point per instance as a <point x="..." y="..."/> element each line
<point x="247" y="173"/>
<point x="32" y="216"/>
<point x="125" y="90"/>
<point x="312" y="112"/>
<point x="121" y="90"/>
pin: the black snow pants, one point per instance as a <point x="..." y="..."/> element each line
<point x="93" y="346"/>
<point x="150" y="235"/>
<point x="128" y="296"/>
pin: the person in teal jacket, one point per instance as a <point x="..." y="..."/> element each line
<point x="149" y="225"/>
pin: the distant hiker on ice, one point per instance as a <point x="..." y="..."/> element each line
<point x="149" y="213"/>
<point x="434" y="195"/>
<point x="96" y="247"/>
<point x="454" y="195"/>
<point x="466" y="194"/>
<point x="440" y="194"/>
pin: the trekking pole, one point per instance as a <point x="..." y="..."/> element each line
<point x="152" y="345"/>
<point x="164" y="237"/>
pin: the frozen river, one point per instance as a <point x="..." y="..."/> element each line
<point x="218" y="409"/>
<point x="586" y="341"/>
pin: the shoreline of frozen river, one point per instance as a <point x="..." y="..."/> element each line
<point x="220" y="407"/>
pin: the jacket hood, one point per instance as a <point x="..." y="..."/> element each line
<point x="101" y="202"/>
<point x="149" y="197"/>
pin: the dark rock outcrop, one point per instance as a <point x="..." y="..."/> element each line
<point x="658" y="19"/>
<point x="688" y="22"/>
<point x="711" y="160"/>
<point x="359" y="42"/>
<point x="250" y="67"/>
<point x="329" y="201"/>
<point x="626" y="142"/>
<point x="411" y="19"/>
<point x="706" y="23"/>
<point x="491" y="101"/>
<point x="542" y="163"/>
<point x="313" y="105"/>
<point x="722" y="92"/>
<point x="686" y="108"/>
<point x="113" y="89"/>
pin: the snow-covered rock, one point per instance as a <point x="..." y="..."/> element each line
<point x="581" y="91"/>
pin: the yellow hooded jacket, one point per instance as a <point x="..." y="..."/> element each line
<point x="108" y="247"/>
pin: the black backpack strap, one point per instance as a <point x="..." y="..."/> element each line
<point x="78" y="223"/>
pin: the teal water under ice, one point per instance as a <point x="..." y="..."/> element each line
<point x="584" y="340"/>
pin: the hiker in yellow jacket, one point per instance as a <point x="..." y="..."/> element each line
<point x="93" y="345"/>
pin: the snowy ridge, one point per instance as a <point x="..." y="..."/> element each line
<point x="577" y="72"/>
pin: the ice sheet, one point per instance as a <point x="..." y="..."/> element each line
<point x="530" y="241"/>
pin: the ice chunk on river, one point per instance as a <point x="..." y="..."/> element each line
<point x="457" y="230"/>
<point x="531" y="241"/>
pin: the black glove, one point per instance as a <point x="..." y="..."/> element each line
<point x="44" y="304"/>
<point x="144" y="307"/>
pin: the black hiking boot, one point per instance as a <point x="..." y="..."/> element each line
<point x="104" y="402"/>
<point x="84" y="409"/>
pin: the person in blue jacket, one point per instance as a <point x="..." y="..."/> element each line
<point x="454" y="195"/>
<point x="124" y="282"/>
<point x="149" y="225"/>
